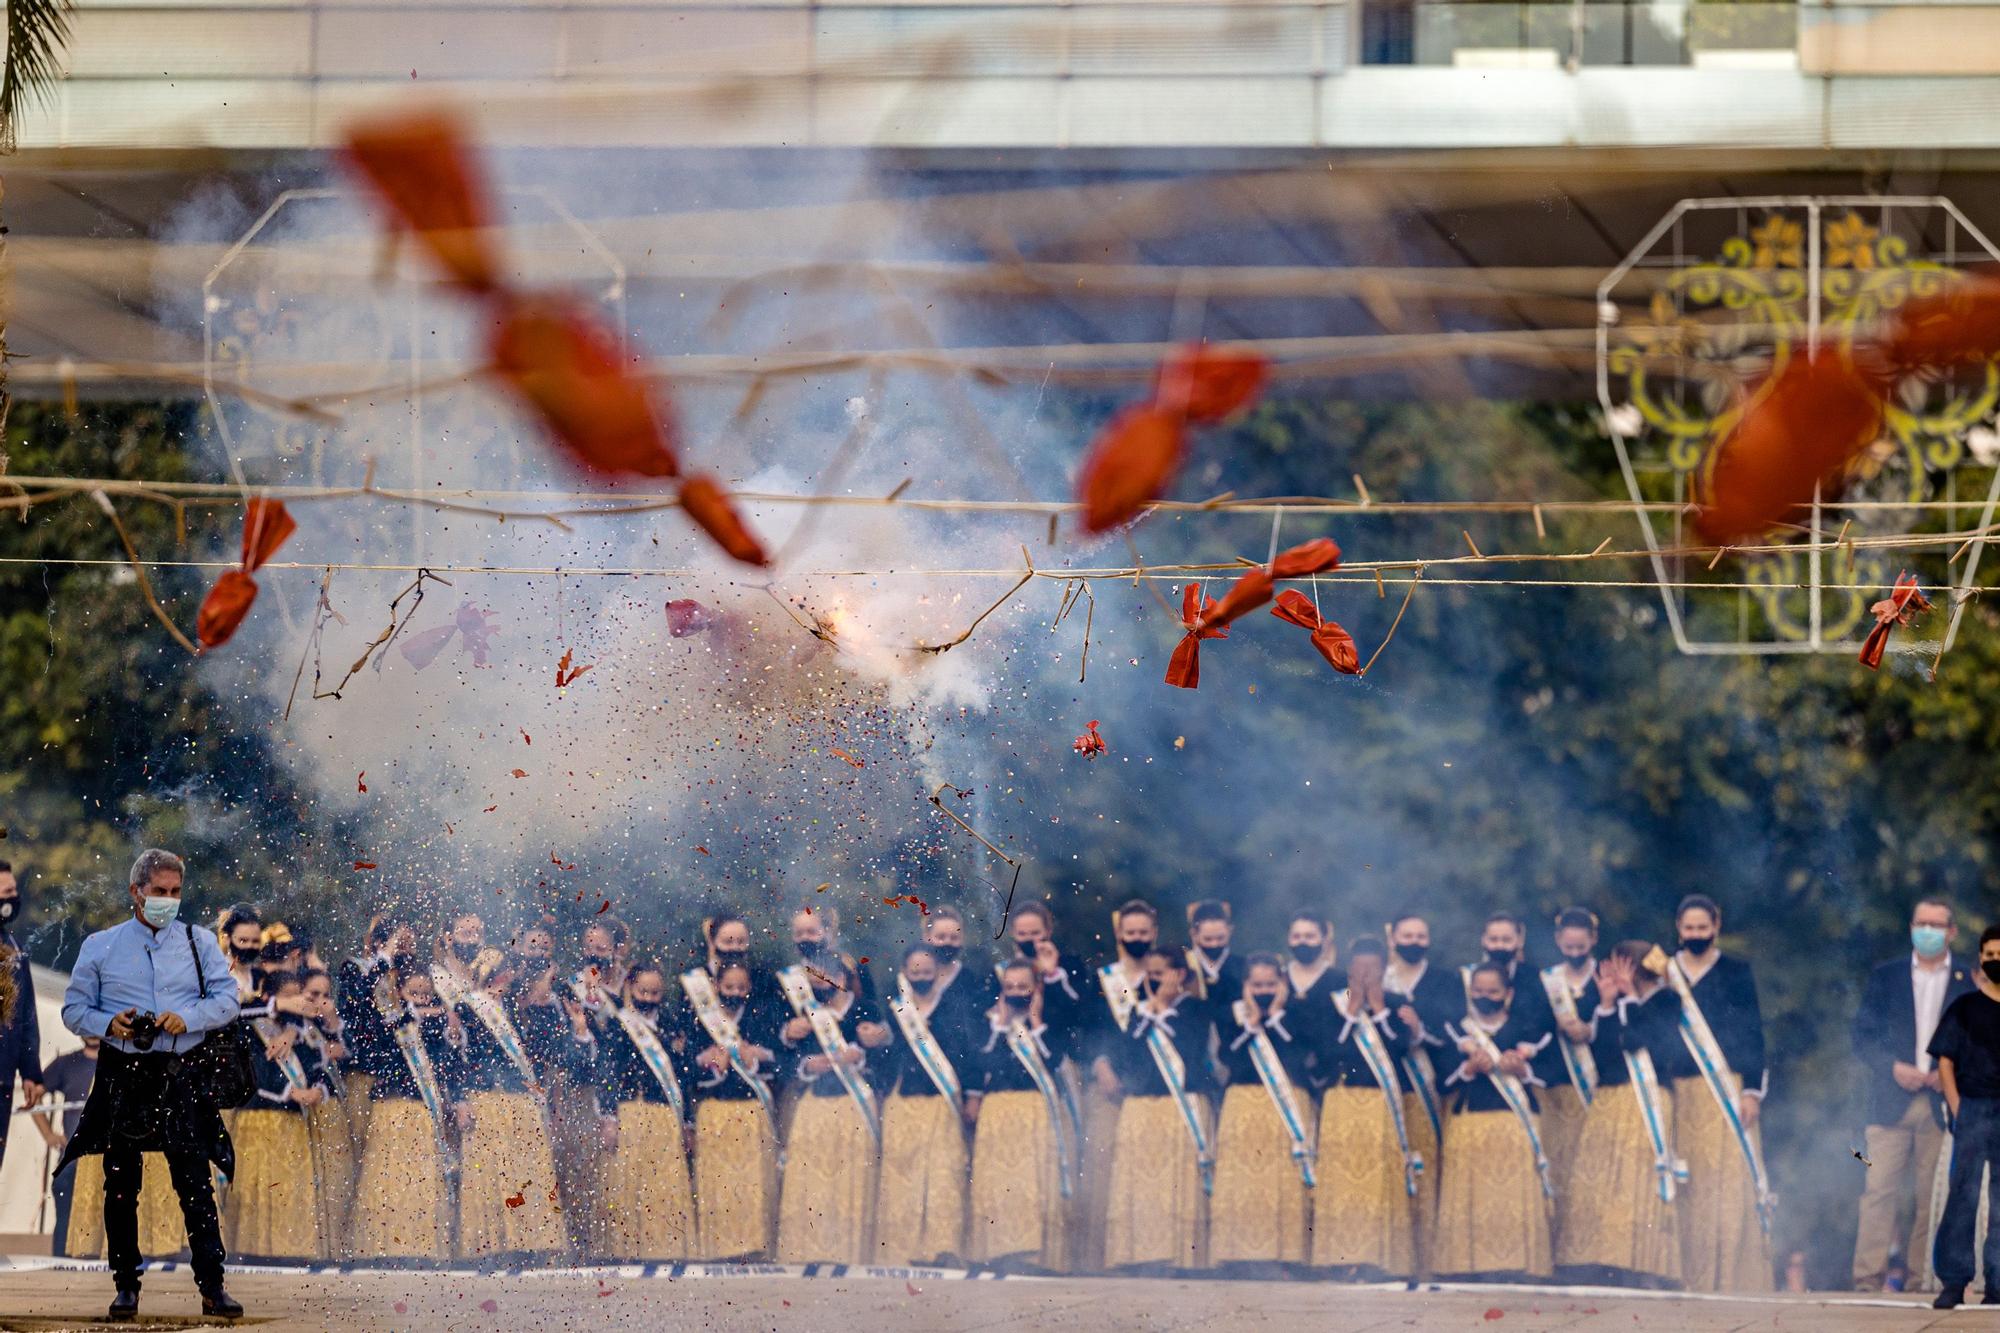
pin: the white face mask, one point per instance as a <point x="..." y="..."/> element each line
<point x="159" y="911"/>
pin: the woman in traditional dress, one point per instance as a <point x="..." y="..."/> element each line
<point x="402" y="1201"/>
<point x="826" y="1211"/>
<point x="1026" y="1136"/>
<point x="330" y="1119"/>
<point x="1158" y="1211"/>
<point x="272" y="1209"/>
<point x="360" y="1011"/>
<point x="508" y="1204"/>
<point x="1617" y="1228"/>
<point x="1311" y="972"/>
<point x="1493" y="1212"/>
<point x="1723" y="1245"/>
<point x="1563" y="1108"/>
<point x="649" y="1198"/>
<point x="565" y="1059"/>
<point x="1363" y="1225"/>
<point x="1259" y="1216"/>
<point x="920" y="1203"/>
<point x="735" y="1139"/>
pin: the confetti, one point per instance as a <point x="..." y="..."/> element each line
<point x="516" y="1199"/>
<point x="490" y="1306"/>
<point x="1091" y="743"/>
<point x="567" y="675"/>
<point x="520" y="772"/>
<point x="703" y="850"/>
<point x="839" y="753"/>
<point x="364" y="865"/>
<point x="359" y="781"/>
<point x="605" y="907"/>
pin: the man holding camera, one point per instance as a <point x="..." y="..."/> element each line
<point x="153" y="990"/>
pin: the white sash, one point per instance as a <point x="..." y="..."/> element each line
<point x="917" y="1031"/>
<point x="832" y="1044"/>
<point x="1516" y="1096"/>
<point x="1582" y="1065"/>
<point x="1118" y="995"/>
<point x="1369" y="1042"/>
<point x="1278" y="1084"/>
<point x="449" y="988"/>
<point x="1174" y="1074"/>
<point x="1714" y="1067"/>
<point x="1423" y="1076"/>
<point x="1668" y="1169"/>
<point x="290" y="1066"/>
<point x="1022" y="1043"/>
<point x="699" y="987"/>
<point x="490" y="1013"/>
<point x="647" y="1041"/>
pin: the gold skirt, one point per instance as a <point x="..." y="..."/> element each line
<point x="1018" y="1211"/>
<point x="1362" y="1208"/>
<point x="1492" y="1214"/>
<point x="1562" y="1124"/>
<point x="1158" y="1213"/>
<point x="402" y="1208"/>
<point x="507" y="1156"/>
<point x="1259" y="1211"/>
<point x="354" y="1089"/>
<point x="1092" y="1206"/>
<point x="1424" y="1208"/>
<point x="649" y="1203"/>
<point x="272" y="1210"/>
<point x="162" y="1228"/>
<point x="735" y="1179"/>
<point x="1723" y="1247"/>
<point x="920" y="1202"/>
<point x="333" y="1161"/>
<point x="1614" y="1218"/>
<point x="826" y="1210"/>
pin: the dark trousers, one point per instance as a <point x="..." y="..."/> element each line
<point x="62" y="1189"/>
<point x="1975" y="1144"/>
<point x="123" y="1171"/>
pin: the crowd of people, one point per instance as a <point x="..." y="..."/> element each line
<point x="1358" y="1109"/>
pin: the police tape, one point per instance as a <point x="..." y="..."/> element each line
<point x="671" y="1270"/>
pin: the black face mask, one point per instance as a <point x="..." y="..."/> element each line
<point x="599" y="961"/>
<point x="1412" y="953"/>
<point x="1305" y="953"/>
<point x="1991" y="967"/>
<point x="1263" y="1001"/>
<point x="731" y="957"/>
<point x="1576" y="960"/>
<point x="810" y="949"/>
<point x="1018" y="1003"/>
<point x="1503" y="957"/>
<point x="1700" y="946"/>
<point x="1028" y="948"/>
<point x="465" y="953"/>
<point x="823" y="996"/>
<point x="646" y="1008"/>
<point x="402" y="962"/>
<point x="1213" y="955"/>
<point x="1486" y="1006"/>
<point x="921" y="987"/>
<point x="947" y="954"/>
<point x="735" y="1001"/>
<point x="1136" y="949"/>
<point x="246" y="956"/>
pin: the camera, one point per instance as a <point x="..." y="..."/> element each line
<point x="145" y="1030"/>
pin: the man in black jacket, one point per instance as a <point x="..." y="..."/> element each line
<point x="20" y="1033"/>
<point x="1899" y="1011"/>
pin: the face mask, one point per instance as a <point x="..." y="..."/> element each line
<point x="598" y="961"/>
<point x="1305" y="953"/>
<point x="1136" y="949"/>
<point x="1412" y="953"/>
<point x="921" y="987"/>
<point x="1504" y="957"/>
<point x="735" y="1001"/>
<point x="247" y="956"/>
<point x="730" y="957"/>
<point x="1213" y="955"/>
<point x="1263" y="1000"/>
<point x="1576" y="960"/>
<point x="1018" y="1003"/>
<point x="464" y="952"/>
<point x="1927" y="940"/>
<point x="402" y="962"/>
<point x="811" y="948"/>
<point x="646" y="1008"/>
<point x="1486" y="1006"/>
<point x="823" y="995"/>
<point x="9" y="909"/>
<point x="1991" y="967"/>
<point x="159" y="912"/>
<point x="1700" y="946"/>
<point x="1028" y="948"/>
<point x="947" y="954"/>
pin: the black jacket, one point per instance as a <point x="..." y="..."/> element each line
<point x="21" y="1036"/>
<point x="1885" y="1031"/>
<point x="1727" y="994"/>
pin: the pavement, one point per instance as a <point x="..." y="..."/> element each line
<point x="40" y="1295"/>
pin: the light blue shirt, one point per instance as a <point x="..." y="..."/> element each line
<point x="133" y="966"/>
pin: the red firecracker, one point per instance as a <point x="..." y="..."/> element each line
<point x="420" y="167"/>
<point x="266" y="526"/>
<point x="1090" y="744"/>
<point x="1903" y="604"/>
<point x="1132" y="460"/>
<point x="1332" y="642"/>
